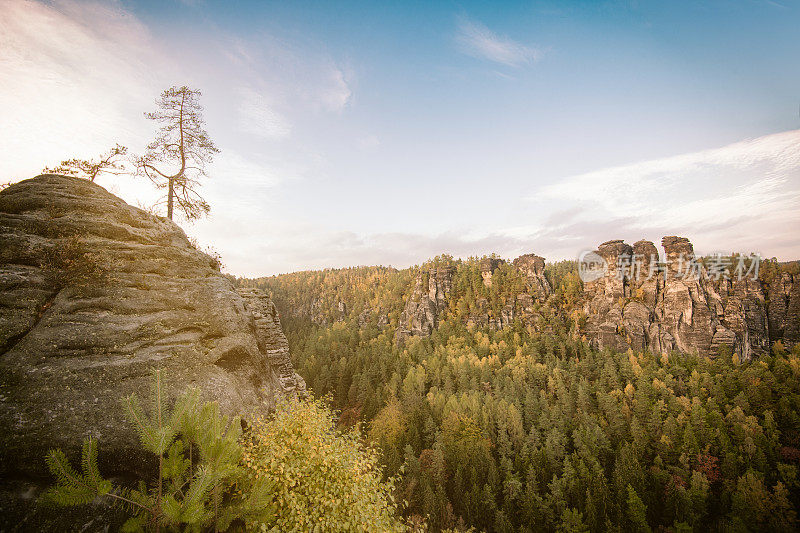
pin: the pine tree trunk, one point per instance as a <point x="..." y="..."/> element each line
<point x="170" y="195"/>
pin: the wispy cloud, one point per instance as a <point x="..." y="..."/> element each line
<point x="290" y="75"/>
<point x="337" y="93"/>
<point x="258" y="116"/>
<point x="368" y="143"/>
<point x="76" y="78"/>
<point x="742" y="197"/>
<point x="477" y="40"/>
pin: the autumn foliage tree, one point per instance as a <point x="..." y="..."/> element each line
<point x="324" y="479"/>
<point x="177" y="158"/>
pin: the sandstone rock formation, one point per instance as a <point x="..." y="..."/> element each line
<point x="421" y="313"/>
<point x="532" y="267"/>
<point x="784" y="309"/>
<point x="484" y="318"/>
<point x="429" y="298"/>
<point x="644" y="303"/>
<point x="271" y="340"/>
<point x="95" y="294"/>
<point x="488" y="265"/>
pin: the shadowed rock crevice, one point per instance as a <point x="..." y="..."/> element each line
<point x="10" y="341"/>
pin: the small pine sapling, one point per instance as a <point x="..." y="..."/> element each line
<point x="201" y="483"/>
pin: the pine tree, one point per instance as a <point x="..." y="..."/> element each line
<point x="637" y="512"/>
<point x="206" y="491"/>
<point x="107" y="163"/>
<point x="177" y="158"/>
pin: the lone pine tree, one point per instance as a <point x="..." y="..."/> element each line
<point x="176" y="159"/>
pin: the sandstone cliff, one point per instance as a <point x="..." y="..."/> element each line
<point x="639" y="299"/>
<point x="784" y="309"/>
<point x="532" y="267"/>
<point x="426" y="302"/>
<point x="651" y="304"/>
<point x="94" y="294"/>
<point x="424" y="308"/>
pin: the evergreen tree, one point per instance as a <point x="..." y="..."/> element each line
<point x="177" y="158"/>
<point x="201" y="483"/>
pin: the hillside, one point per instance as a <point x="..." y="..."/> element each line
<point x="514" y="397"/>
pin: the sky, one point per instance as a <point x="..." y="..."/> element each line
<point x="361" y="133"/>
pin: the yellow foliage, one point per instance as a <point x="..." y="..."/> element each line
<point x="629" y="391"/>
<point x="325" y="480"/>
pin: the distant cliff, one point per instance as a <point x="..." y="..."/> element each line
<point x="656" y="310"/>
<point x="660" y="309"/>
<point x="423" y="307"/>
<point x="94" y="294"/>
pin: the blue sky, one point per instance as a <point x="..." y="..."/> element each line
<point x="378" y="132"/>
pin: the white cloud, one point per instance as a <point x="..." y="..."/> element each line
<point x="742" y="197"/>
<point x="368" y="143"/>
<point x="291" y="76"/>
<point x="76" y="77"/>
<point x="477" y="40"/>
<point x="338" y="93"/>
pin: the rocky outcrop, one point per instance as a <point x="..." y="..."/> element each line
<point x="641" y="302"/>
<point x="487" y="266"/>
<point x="271" y="340"/>
<point x="432" y="290"/>
<point x="532" y="267"/>
<point x="95" y="294"/>
<point x="483" y="317"/>
<point x="379" y="318"/>
<point x="426" y="302"/>
<point x="784" y="309"/>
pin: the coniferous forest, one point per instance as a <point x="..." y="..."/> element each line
<point x="528" y="428"/>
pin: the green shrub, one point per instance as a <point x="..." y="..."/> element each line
<point x="201" y="484"/>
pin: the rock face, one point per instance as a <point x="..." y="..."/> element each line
<point x="421" y="313"/>
<point x="784" y="309"/>
<point x="432" y="290"/>
<point x="95" y="294"/>
<point x="532" y="267"/>
<point x="488" y="265"/>
<point x="643" y="303"/>
<point x="271" y="340"/>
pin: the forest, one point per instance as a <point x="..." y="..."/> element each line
<point x="528" y="428"/>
